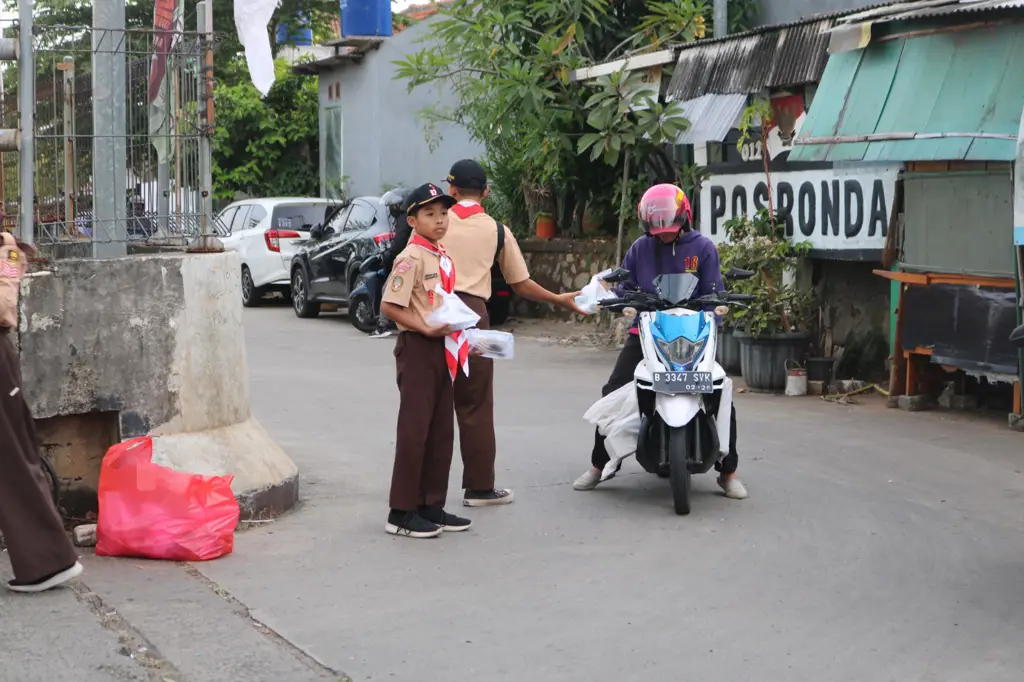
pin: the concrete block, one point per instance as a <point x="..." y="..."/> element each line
<point x="964" y="402"/>
<point x="157" y="340"/>
<point x="915" y="403"/>
<point x="1015" y="422"/>
<point x="815" y="387"/>
<point x="85" y="536"/>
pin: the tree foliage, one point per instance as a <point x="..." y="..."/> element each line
<point x="510" y="67"/>
<point x="267" y="146"/>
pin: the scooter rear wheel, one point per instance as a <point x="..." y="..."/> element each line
<point x="680" y="444"/>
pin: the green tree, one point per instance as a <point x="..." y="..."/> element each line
<point x="510" y="67"/>
<point x="267" y="146"/>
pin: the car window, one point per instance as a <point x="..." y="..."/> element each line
<point x="298" y="216"/>
<point x="256" y="215"/>
<point x="363" y="215"/>
<point x="238" y="222"/>
<point x="223" y="221"/>
<point x="338" y="221"/>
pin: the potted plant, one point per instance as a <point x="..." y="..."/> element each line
<point x="774" y="328"/>
<point x="545" y="225"/>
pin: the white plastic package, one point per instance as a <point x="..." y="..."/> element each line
<point x="597" y="290"/>
<point x="617" y="418"/>
<point x="492" y="344"/>
<point x="452" y="312"/>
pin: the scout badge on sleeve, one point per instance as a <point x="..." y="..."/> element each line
<point x="456" y="345"/>
<point x="12" y="267"/>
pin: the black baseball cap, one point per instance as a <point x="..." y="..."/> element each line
<point x="468" y="174"/>
<point x="427" y="194"/>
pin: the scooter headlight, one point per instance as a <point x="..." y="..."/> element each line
<point x="681" y="353"/>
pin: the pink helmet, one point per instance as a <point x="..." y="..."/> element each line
<point x="664" y="208"/>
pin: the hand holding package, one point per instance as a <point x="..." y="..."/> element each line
<point x="452" y="312"/>
<point x="491" y="344"/>
<point x="597" y="290"/>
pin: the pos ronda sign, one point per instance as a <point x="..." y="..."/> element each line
<point x="835" y="209"/>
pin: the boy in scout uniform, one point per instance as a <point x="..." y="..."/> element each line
<point x="41" y="553"/>
<point x="427" y="360"/>
<point x="475" y="241"/>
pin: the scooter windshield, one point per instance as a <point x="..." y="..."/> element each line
<point x="675" y="288"/>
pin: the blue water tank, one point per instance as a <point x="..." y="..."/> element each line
<point x="300" y="36"/>
<point x="365" y="18"/>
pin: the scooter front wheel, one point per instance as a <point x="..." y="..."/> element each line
<point x="680" y="444"/>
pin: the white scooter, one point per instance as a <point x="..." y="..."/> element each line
<point x="676" y="414"/>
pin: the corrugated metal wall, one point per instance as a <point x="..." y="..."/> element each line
<point x="959" y="222"/>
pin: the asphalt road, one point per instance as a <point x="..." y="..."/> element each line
<point x="876" y="545"/>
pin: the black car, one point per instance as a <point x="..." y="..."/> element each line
<point x="325" y="269"/>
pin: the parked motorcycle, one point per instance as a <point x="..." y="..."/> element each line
<point x="364" y="302"/>
<point x="683" y="396"/>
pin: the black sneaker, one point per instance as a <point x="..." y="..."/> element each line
<point x="448" y="522"/>
<point x="488" y="498"/>
<point x="47" y="583"/>
<point x="380" y="333"/>
<point x="411" y="524"/>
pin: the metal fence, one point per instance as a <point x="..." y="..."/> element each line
<point x="92" y="137"/>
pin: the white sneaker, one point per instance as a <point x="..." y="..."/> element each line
<point x="49" y="583"/>
<point x="733" y="487"/>
<point x="588" y="481"/>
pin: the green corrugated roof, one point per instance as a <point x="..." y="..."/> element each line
<point x="962" y="82"/>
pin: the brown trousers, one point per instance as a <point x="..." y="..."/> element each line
<point x="474" y="408"/>
<point x="30" y="524"/>
<point x="426" y="425"/>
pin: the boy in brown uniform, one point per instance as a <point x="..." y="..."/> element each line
<point x="41" y="553"/>
<point x="427" y="360"/>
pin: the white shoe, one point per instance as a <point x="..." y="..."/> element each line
<point x="733" y="487"/>
<point x="588" y="481"/>
<point x="49" y="583"/>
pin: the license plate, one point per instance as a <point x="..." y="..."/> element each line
<point x="683" y="382"/>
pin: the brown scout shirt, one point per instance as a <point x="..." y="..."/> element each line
<point x="411" y="284"/>
<point x="471" y="243"/>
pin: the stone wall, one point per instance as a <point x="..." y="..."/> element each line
<point x="563" y="265"/>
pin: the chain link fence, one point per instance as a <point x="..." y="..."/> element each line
<point x="163" y="105"/>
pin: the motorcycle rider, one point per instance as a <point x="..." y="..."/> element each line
<point x="395" y="200"/>
<point x="669" y="245"/>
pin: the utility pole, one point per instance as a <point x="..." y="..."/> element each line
<point x="720" y="17"/>
<point x="109" y="157"/>
<point x="26" y="108"/>
<point x="207" y="241"/>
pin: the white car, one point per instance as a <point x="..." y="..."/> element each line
<point x="265" y="233"/>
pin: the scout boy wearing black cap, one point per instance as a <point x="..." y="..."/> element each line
<point x="427" y="360"/>
<point x="475" y="241"/>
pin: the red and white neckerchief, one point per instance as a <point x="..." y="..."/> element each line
<point x="466" y="209"/>
<point x="456" y="345"/>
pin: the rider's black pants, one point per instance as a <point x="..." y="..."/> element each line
<point x="622" y="374"/>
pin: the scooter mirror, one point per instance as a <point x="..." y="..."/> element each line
<point x="617" y="275"/>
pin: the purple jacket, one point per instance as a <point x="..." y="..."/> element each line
<point x="692" y="252"/>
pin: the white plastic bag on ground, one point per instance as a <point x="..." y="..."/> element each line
<point x="617" y="418"/>
<point x="452" y="313"/>
<point x="597" y="290"/>
<point x="491" y="344"/>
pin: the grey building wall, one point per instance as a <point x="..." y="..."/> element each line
<point x="383" y="140"/>
<point x="785" y="11"/>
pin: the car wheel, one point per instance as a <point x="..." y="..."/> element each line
<point x="252" y="296"/>
<point x="301" y="304"/>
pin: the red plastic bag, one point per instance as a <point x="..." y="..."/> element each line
<point x="151" y="511"/>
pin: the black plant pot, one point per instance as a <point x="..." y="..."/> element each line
<point x="763" y="358"/>
<point x="727" y="351"/>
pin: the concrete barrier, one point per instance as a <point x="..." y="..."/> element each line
<point x="148" y="344"/>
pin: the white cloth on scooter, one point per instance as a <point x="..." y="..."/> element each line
<point x="617" y="418"/>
